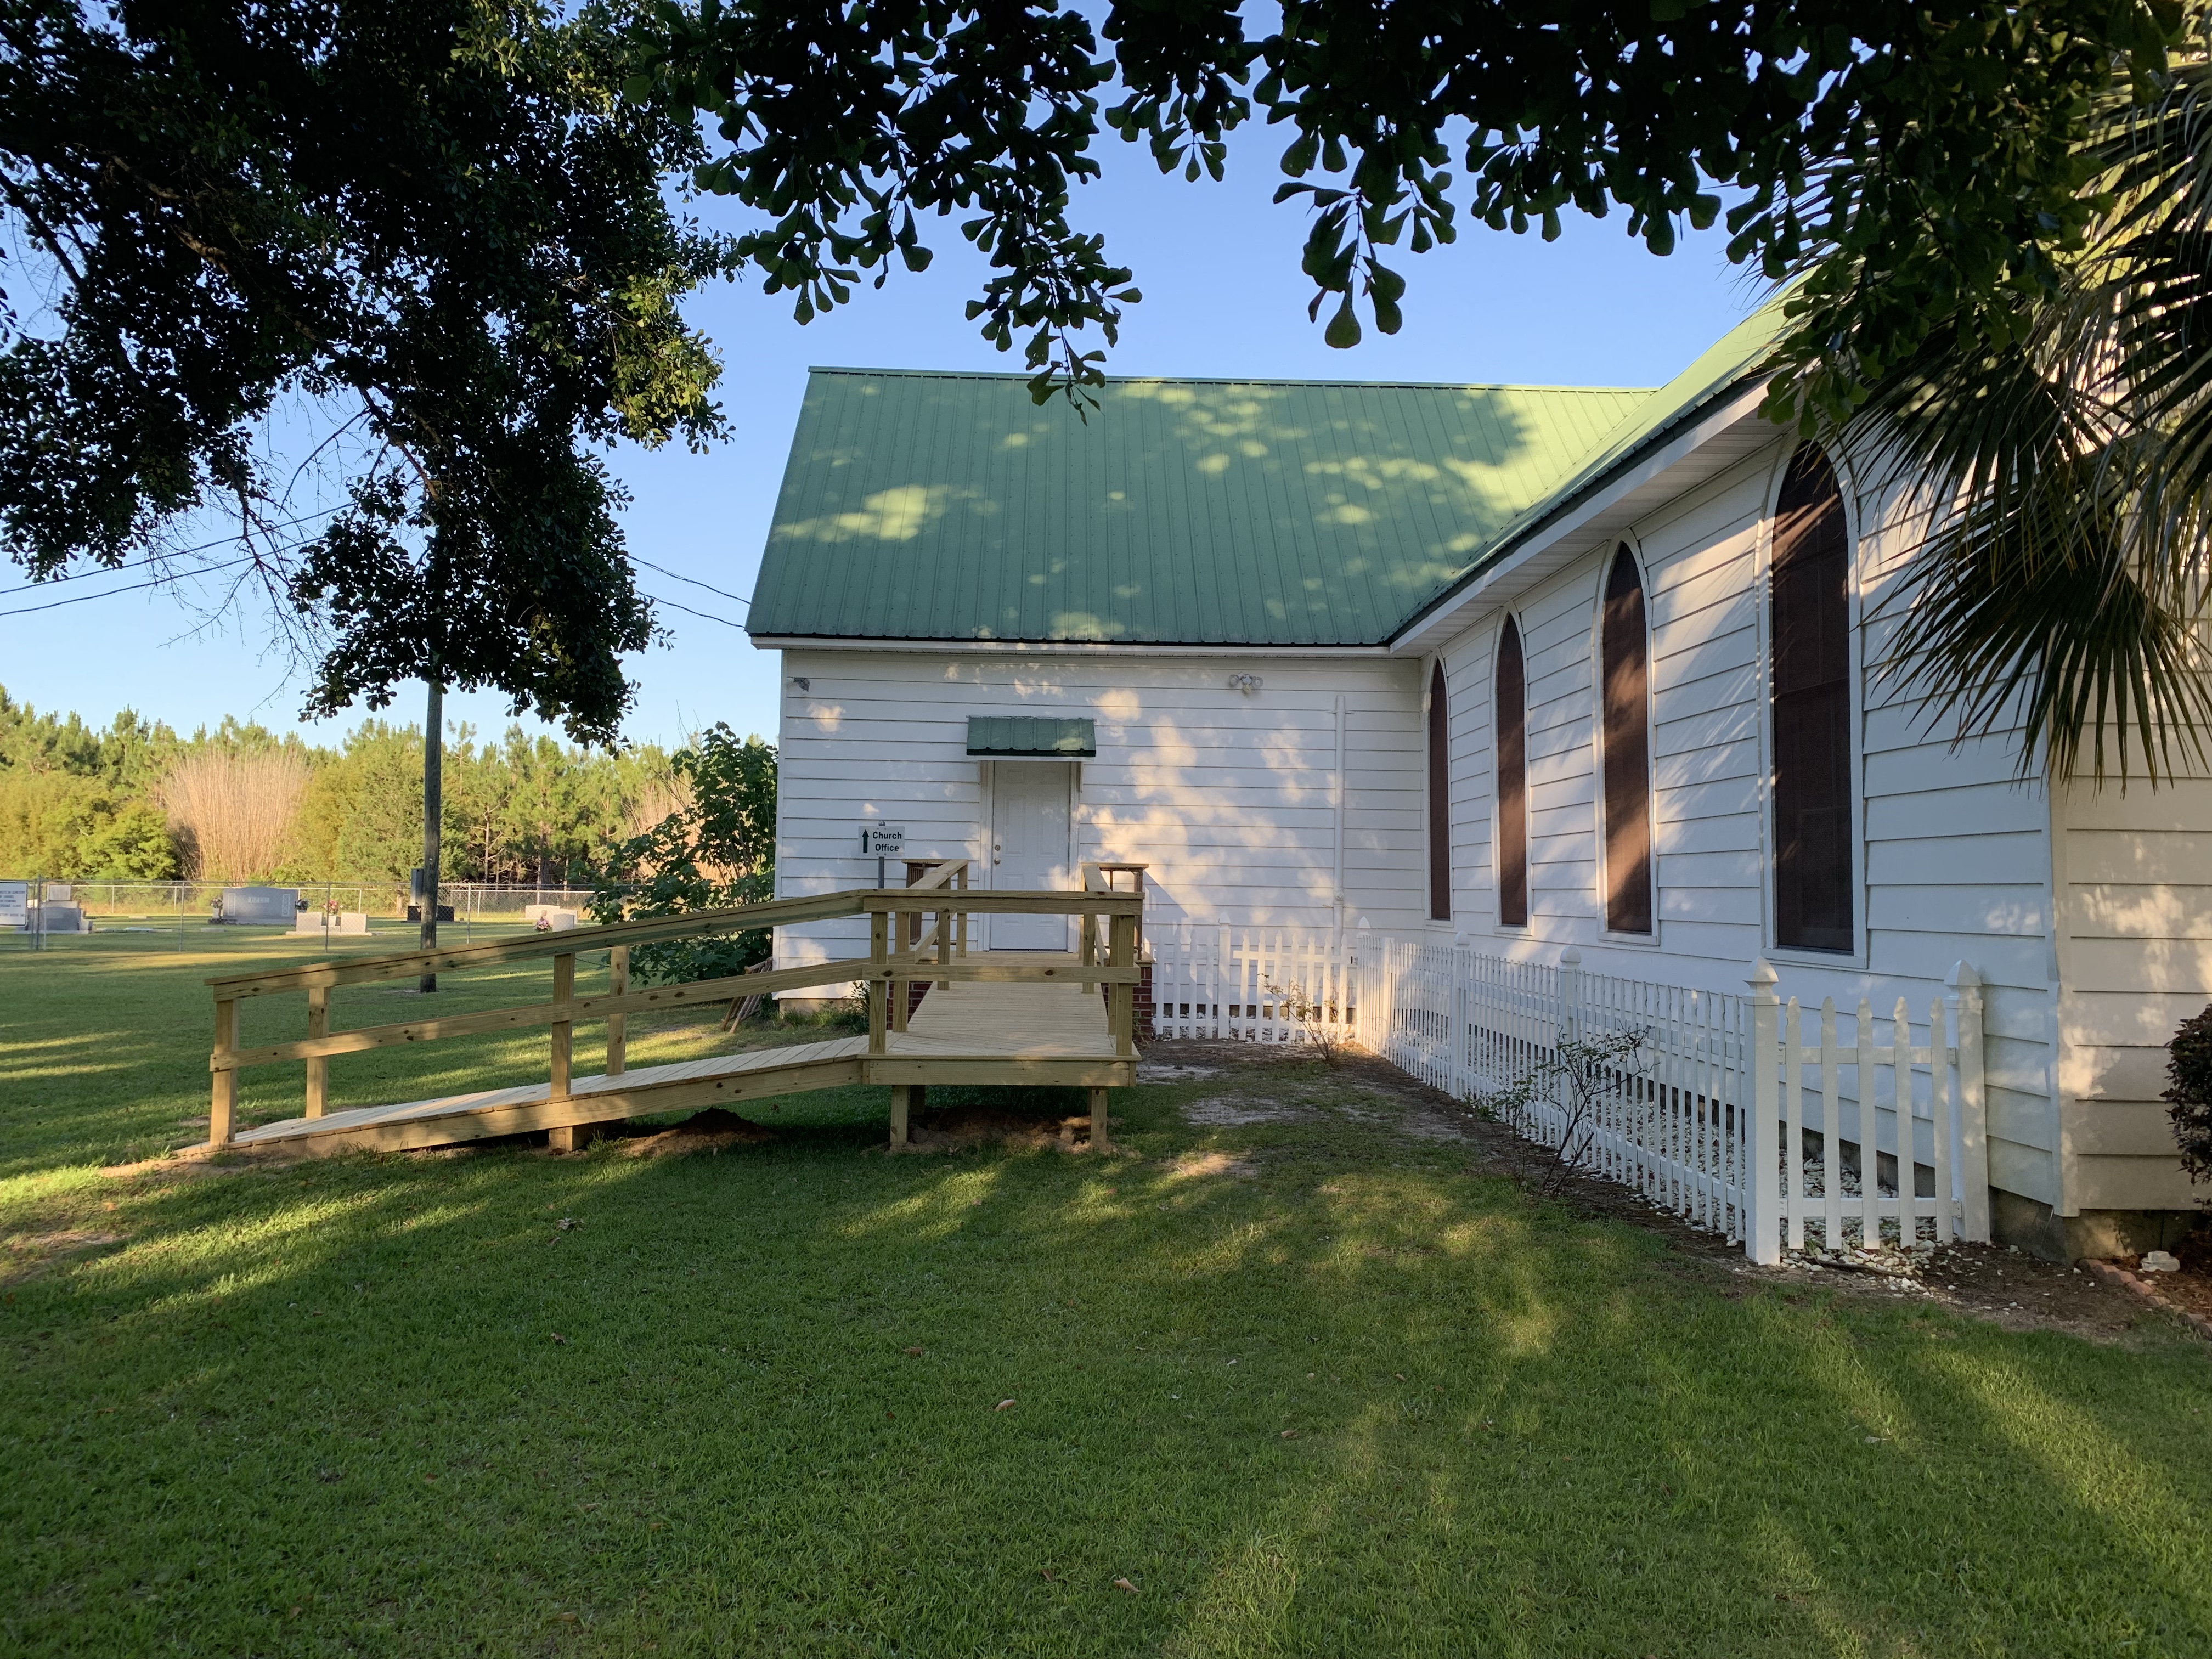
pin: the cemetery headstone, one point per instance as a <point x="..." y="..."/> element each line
<point x="260" y="907"/>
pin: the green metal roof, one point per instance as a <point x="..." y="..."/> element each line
<point x="949" y="507"/>
<point x="1721" y="372"/>
<point x="1026" y="734"/>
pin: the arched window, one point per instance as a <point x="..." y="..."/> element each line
<point x="1512" y="705"/>
<point x="1812" y="671"/>
<point x="1439" y="799"/>
<point x="1627" y="742"/>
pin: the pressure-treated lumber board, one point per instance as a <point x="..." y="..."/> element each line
<point x="1104" y="1072"/>
<point x="988" y="1030"/>
<point x="1043" y="902"/>
<point x="983" y="970"/>
<point x="564" y="1030"/>
<point x="636" y="1093"/>
<point x="538" y="1013"/>
<point x="318" y="1069"/>
<point x="773" y="912"/>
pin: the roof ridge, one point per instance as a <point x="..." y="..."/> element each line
<point x="1241" y="380"/>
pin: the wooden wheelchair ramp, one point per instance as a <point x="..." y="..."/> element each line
<point x="995" y="1018"/>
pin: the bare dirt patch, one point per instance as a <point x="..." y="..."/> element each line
<point x="1991" y="1282"/>
<point x="1196" y="1166"/>
<point x="960" y="1128"/>
<point x="2187" y="1292"/>
<point x="1168" y="1072"/>
<point x="192" y="1163"/>
<point x="1233" y="1111"/>
<point x="710" y="1131"/>
<point x="30" y="1254"/>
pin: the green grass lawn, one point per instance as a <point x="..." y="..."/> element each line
<point x="1365" y="1399"/>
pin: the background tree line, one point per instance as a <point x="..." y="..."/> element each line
<point x="135" y="801"/>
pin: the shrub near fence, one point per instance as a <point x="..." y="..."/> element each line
<point x="1472" y="1025"/>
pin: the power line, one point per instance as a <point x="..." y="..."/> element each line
<point x="175" y="553"/>
<point x="109" y="593"/>
<point x="688" y="611"/>
<point x="231" y="564"/>
<point x="39" y="588"/>
<point x="694" y="580"/>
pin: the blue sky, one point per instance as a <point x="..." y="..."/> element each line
<point x="1218" y="264"/>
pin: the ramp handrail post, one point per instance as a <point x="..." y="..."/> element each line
<point x="880" y="942"/>
<point x="319" y="1066"/>
<point x="564" y="1032"/>
<point x="222" y="1106"/>
<point x="1124" y="995"/>
<point x="617" y="1025"/>
<point x="961" y="881"/>
<point x="899" y="993"/>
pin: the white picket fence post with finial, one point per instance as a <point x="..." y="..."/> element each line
<point x="1965" y="1007"/>
<point x="1762" y="1240"/>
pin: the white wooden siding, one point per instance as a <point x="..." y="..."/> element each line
<point x="1229" y="797"/>
<point x="1955" y="856"/>
<point x="2136" y="946"/>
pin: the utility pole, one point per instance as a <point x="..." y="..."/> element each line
<point x="434" y="779"/>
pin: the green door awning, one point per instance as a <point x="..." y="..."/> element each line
<point x="1013" y="736"/>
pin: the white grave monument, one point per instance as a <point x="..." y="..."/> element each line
<point x="335" y="923"/>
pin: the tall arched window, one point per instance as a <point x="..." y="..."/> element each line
<point x="1512" y="707"/>
<point x="1812" y="671"/>
<point x="1439" y="799"/>
<point x="1627" y="746"/>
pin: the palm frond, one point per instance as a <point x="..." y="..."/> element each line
<point x="2062" y="579"/>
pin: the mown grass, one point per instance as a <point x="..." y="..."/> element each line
<point x="1365" y="1401"/>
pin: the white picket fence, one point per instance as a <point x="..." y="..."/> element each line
<point x="1733" y="1111"/>
<point x="1935" y="1097"/>
<point x="1665" y="1122"/>
<point x="1757" y="1118"/>
<point x="1211" y="979"/>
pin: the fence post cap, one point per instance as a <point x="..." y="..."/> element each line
<point x="1762" y="978"/>
<point x="1962" y="976"/>
<point x="1571" y="958"/>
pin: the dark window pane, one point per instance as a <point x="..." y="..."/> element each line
<point x="1439" y="800"/>
<point x="1627" y="752"/>
<point x="1512" y="779"/>
<point x="1813" y="830"/>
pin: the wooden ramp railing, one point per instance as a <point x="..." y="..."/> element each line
<point x="931" y="949"/>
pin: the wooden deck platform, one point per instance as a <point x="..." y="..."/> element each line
<point x="964" y="1032"/>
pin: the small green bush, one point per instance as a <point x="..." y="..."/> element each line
<point x="2189" y="1098"/>
<point x="715" y="853"/>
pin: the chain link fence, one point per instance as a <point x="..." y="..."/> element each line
<point x="45" y="908"/>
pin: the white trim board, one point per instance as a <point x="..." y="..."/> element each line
<point x="1607" y="514"/>
<point x="1129" y="649"/>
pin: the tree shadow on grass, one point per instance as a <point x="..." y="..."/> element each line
<point x="1341" y="1407"/>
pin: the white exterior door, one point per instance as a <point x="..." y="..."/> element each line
<point x="1029" y="821"/>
